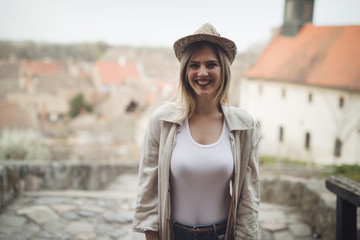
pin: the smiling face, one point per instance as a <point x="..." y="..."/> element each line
<point x="204" y="73"/>
<point x="211" y="85"/>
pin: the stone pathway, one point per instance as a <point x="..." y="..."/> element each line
<point x="278" y="222"/>
<point x="107" y="215"/>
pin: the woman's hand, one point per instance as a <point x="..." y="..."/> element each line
<point x="151" y="235"/>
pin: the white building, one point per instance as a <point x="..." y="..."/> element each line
<point x="305" y="92"/>
<point x="307" y="123"/>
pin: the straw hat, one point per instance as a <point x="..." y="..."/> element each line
<point x="206" y="32"/>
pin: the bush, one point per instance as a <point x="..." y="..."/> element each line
<point x="22" y="145"/>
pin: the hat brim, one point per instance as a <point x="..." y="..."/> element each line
<point x="228" y="45"/>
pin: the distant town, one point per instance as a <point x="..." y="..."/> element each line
<point x="92" y="101"/>
<point x="88" y="107"/>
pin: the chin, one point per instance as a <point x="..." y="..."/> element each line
<point x="205" y="94"/>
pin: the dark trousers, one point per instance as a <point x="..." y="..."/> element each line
<point x="198" y="232"/>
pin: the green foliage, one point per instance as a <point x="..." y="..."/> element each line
<point x="31" y="50"/>
<point x="267" y="159"/>
<point x="272" y="160"/>
<point x="78" y="105"/>
<point x="351" y="171"/>
<point x="22" y="145"/>
<point x="346" y="170"/>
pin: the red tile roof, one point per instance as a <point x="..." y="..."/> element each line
<point x="114" y="73"/>
<point x="326" y="56"/>
<point x="41" y="67"/>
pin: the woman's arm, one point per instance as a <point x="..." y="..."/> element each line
<point x="248" y="207"/>
<point x="146" y="211"/>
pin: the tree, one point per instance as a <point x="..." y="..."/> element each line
<point x="79" y="105"/>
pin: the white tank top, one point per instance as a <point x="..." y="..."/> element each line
<point x="200" y="176"/>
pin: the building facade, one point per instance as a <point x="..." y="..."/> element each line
<point x="304" y="90"/>
<point x="307" y="123"/>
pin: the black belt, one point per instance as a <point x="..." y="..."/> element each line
<point x="219" y="228"/>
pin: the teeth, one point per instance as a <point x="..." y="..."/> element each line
<point x="203" y="82"/>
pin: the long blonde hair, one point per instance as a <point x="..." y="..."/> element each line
<point x="186" y="95"/>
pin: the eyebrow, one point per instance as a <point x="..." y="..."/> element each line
<point x="210" y="61"/>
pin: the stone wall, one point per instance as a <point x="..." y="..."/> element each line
<point x="16" y="177"/>
<point x="315" y="203"/>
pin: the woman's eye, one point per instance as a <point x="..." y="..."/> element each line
<point x="194" y="65"/>
<point x="212" y="65"/>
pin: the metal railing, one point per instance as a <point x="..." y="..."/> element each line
<point x="347" y="200"/>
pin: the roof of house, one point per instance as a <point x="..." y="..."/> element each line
<point x="14" y="116"/>
<point x="326" y="56"/>
<point x="9" y="78"/>
<point x="111" y="72"/>
<point x="55" y="75"/>
<point x="156" y="62"/>
<point x="41" y="67"/>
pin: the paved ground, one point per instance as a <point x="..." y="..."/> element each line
<point x="107" y="215"/>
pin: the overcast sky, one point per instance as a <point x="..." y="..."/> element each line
<point x="155" y="22"/>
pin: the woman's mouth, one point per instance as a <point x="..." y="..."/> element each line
<point x="203" y="83"/>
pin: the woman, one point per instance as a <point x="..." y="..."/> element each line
<point x="198" y="175"/>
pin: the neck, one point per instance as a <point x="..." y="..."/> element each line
<point x="206" y="106"/>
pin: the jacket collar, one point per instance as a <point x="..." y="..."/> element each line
<point x="236" y="119"/>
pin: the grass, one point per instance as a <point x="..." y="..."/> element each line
<point x="351" y="171"/>
<point x="272" y="160"/>
<point x="267" y="160"/>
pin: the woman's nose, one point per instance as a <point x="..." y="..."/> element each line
<point x="202" y="71"/>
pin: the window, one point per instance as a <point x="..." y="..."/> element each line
<point x="281" y="134"/>
<point x="307" y="140"/>
<point x="131" y="106"/>
<point x="341" y="102"/>
<point x="310" y="97"/>
<point x="338" y="145"/>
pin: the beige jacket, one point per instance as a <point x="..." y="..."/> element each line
<point x="152" y="210"/>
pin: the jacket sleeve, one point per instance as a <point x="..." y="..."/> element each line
<point x="146" y="209"/>
<point x="248" y="208"/>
